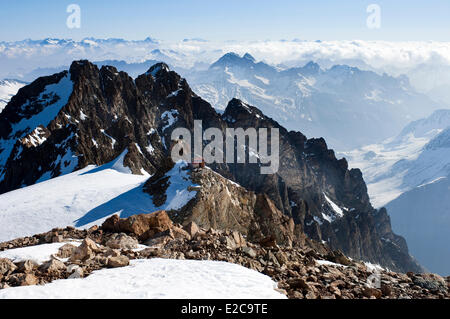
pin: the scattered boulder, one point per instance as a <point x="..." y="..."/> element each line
<point x="239" y="239"/>
<point x="97" y="261"/>
<point x="112" y="252"/>
<point x="159" y="241"/>
<point x="310" y="295"/>
<point x="112" y="224"/>
<point x="269" y="242"/>
<point x="24" y="280"/>
<point x="338" y="258"/>
<point x="144" y="226"/>
<point x="119" y="261"/>
<point x="386" y="290"/>
<point x="66" y="251"/>
<point x="249" y="251"/>
<point x="179" y="233"/>
<point x="93" y="229"/>
<point x="372" y="292"/>
<point x="281" y="258"/>
<point x="298" y="283"/>
<point x="152" y="224"/>
<point x="122" y="241"/>
<point x="85" y="251"/>
<point x="57" y="239"/>
<point x="78" y="273"/>
<point x="75" y="272"/>
<point x="295" y="294"/>
<point x="6" y="267"/>
<point x="294" y="268"/>
<point x="27" y="266"/>
<point x="431" y="282"/>
<point x="192" y="229"/>
<point x="53" y="266"/>
<point x="270" y="257"/>
<point x="151" y="253"/>
<point x="229" y="242"/>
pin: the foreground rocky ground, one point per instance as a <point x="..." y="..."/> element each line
<point x="300" y="272"/>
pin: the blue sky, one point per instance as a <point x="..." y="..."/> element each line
<point x="227" y="20"/>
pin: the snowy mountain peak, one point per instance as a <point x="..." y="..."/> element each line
<point x="440" y="141"/>
<point x="343" y="71"/>
<point x="151" y="40"/>
<point x="237" y="109"/>
<point x="429" y="126"/>
<point x="249" y="57"/>
<point x="82" y="68"/>
<point x="157" y="69"/>
<point x="311" y="68"/>
<point x="48" y="41"/>
<point x="232" y="59"/>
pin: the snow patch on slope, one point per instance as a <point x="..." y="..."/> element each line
<point x="118" y="165"/>
<point x="8" y="88"/>
<point x="85" y="198"/>
<point x="61" y="201"/>
<point x="158" y="279"/>
<point x="335" y="207"/>
<point x="36" y="137"/>
<point x="39" y="254"/>
<point x="177" y="193"/>
<point x="170" y="117"/>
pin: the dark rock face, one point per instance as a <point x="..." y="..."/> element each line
<point x="107" y="114"/>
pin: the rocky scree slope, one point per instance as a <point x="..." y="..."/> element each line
<point x="86" y="115"/>
<point x="300" y="272"/>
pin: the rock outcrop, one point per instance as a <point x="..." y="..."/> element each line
<point x="223" y="204"/>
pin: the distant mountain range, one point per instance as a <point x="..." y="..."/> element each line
<point x="417" y="156"/>
<point x="333" y="103"/>
<point x="347" y="106"/>
<point x="425" y="63"/>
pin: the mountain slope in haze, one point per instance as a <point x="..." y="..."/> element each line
<point x="8" y="88"/>
<point x="416" y="156"/>
<point x="409" y="175"/>
<point x="90" y="116"/>
<point x="348" y="107"/>
<point x="422" y="216"/>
